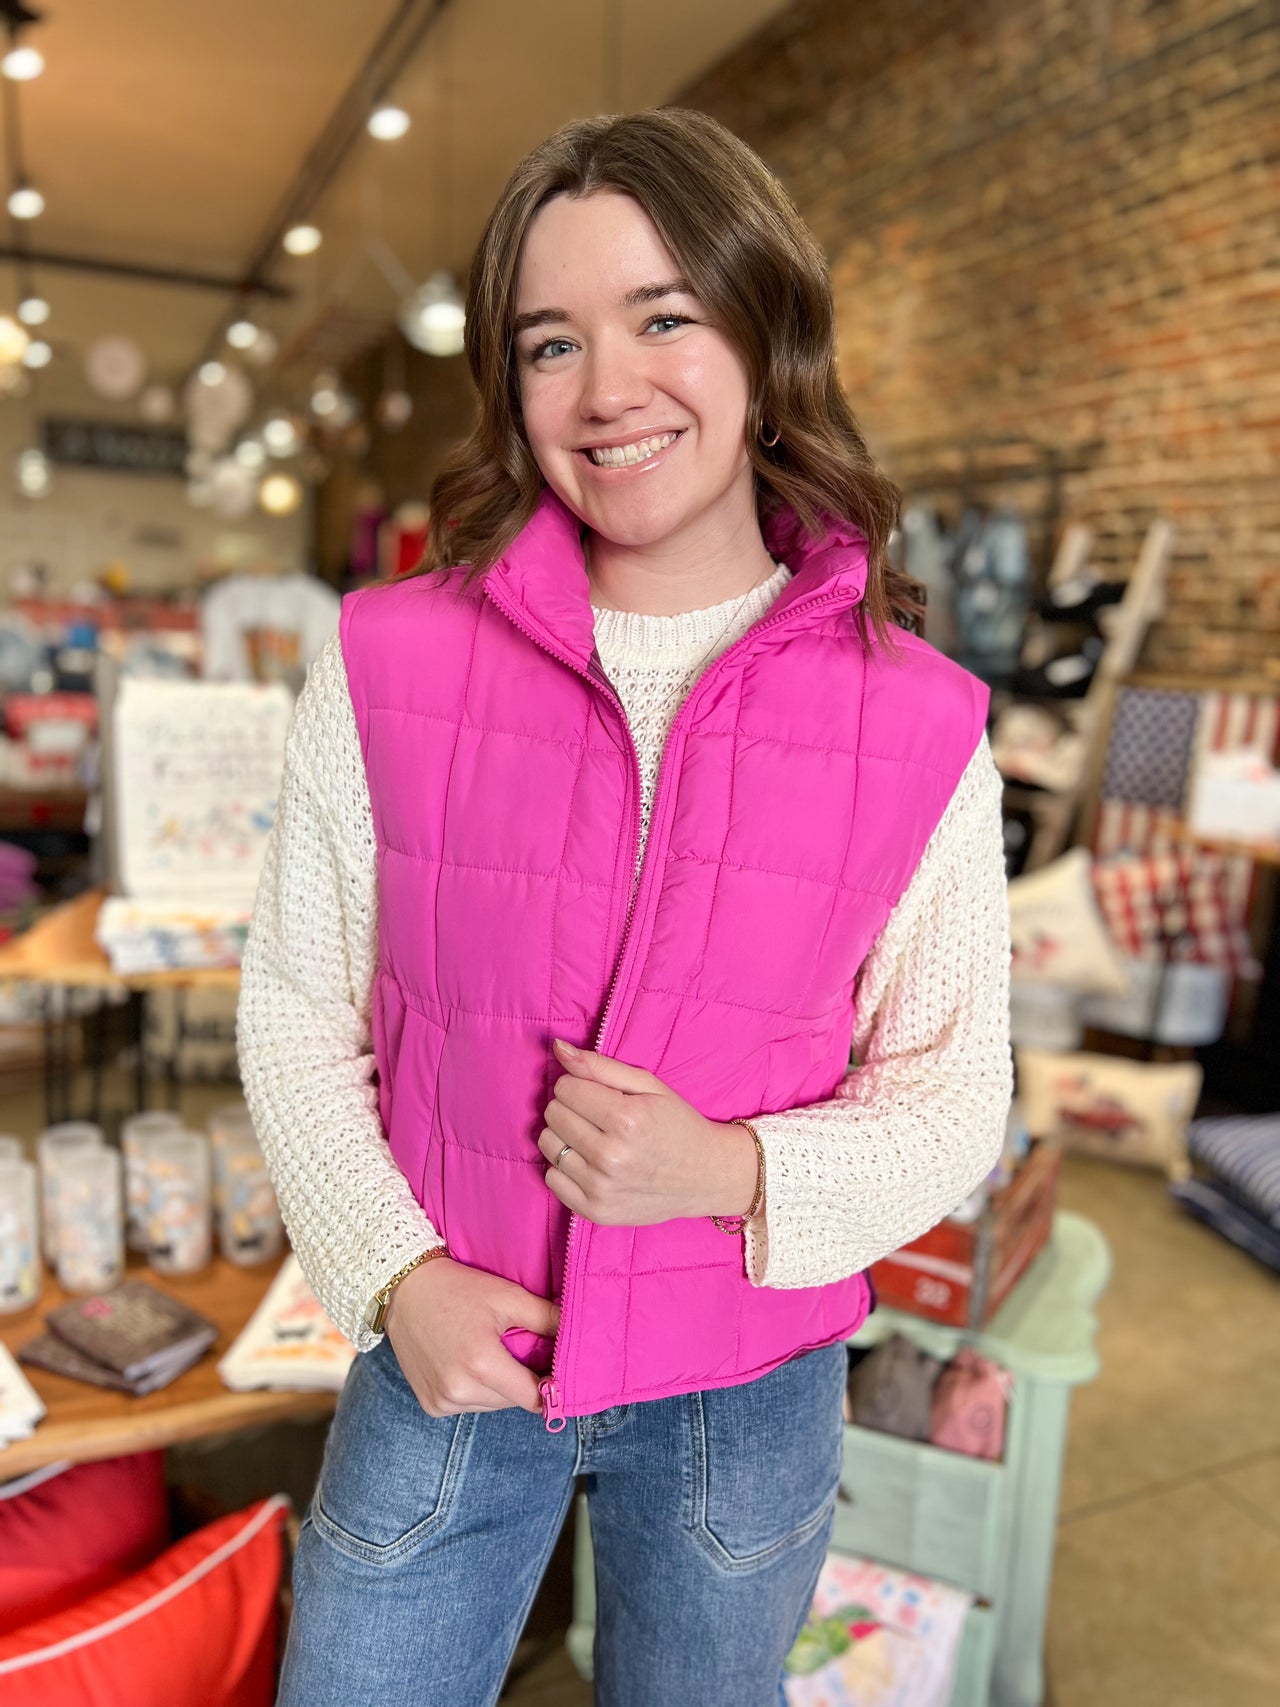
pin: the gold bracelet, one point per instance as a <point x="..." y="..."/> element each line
<point x="733" y="1224"/>
<point x="376" y="1314"/>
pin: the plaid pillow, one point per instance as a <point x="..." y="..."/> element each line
<point x="1182" y="894"/>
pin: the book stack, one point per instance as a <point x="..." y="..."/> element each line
<point x="133" y="1339"/>
<point x="288" y="1341"/>
<point x="20" y="1405"/>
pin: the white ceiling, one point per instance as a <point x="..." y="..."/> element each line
<point x="165" y="133"/>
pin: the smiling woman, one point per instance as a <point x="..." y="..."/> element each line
<point x="644" y="277"/>
<point x="601" y="844"/>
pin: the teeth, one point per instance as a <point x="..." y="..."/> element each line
<point x="619" y="456"/>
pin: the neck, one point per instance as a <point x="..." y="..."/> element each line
<point x="679" y="574"/>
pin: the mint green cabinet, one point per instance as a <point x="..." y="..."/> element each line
<point x="988" y="1528"/>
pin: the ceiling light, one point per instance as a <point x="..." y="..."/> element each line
<point x="212" y="373"/>
<point x="281" y="436"/>
<point x="34" y="474"/>
<point x="13" y="341"/>
<point x="26" y="202"/>
<point x="433" y="318"/>
<point x="388" y="123"/>
<point x="33" y="311"/>
<point x="302" y="239"/>
<point x="280" y="494"/>
<point x="38" y="354"/>
<point x="22" y="64"/>
<point x="242" y="334"/>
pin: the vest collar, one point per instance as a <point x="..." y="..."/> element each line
<point x="541" y="579"/>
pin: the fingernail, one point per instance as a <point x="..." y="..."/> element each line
<point x="567" y="1047"/>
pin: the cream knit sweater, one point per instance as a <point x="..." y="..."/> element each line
<point x="920" y="1123"/>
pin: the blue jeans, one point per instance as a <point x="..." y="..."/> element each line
<point x="427" y="1537"/>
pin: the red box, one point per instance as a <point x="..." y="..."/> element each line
<point x="961" y="1273"/>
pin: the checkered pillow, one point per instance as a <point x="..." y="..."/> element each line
<point x="1182" y="894"/>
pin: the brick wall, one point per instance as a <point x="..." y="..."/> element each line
<point x="1054" y="230"/>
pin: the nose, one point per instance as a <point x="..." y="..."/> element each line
<point x="613" y="379"/>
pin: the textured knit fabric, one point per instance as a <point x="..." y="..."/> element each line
<point x="848" y="1179"/>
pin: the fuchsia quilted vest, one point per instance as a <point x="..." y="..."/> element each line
<point x="802" y="778"/>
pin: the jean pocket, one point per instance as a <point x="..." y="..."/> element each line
<point x="765" y="1460"/>
<point x="391" y="1473"/>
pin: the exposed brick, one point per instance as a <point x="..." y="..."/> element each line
<point x="1062" y="223"/>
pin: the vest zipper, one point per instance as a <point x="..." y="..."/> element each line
<point x="550" y="1390"/>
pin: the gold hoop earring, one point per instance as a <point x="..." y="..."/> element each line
<point x="769" y="443"/>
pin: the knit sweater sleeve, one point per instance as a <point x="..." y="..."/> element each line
<point x="920" y="1122"/>
<point x="303" y="1027"/>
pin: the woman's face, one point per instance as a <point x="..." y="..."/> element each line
<point x="634" y="405"/>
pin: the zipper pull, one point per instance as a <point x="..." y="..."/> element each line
<point x="552" y="1415"/>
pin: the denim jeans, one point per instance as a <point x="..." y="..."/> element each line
<point x="427" y="1537"/>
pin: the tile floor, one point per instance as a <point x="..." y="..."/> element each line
<point x="1169" y="1542"/>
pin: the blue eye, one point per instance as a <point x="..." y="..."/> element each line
<point x="668" y="320"/>
<point x="540" y="350"/>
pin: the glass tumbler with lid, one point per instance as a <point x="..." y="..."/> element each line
<point x="137" y="1134"/>
<point x="249" y="1225"/>
<point x="90" y="1225"/>
<point x="56" y="1147"/>
<point x="19" y="1236"/>
<point x="178" y="1222"/>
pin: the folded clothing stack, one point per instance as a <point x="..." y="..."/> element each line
<point x="288" y="1341"/>
<point x="133" y="1338"/>
<point x="20" y="1405"/>
<point x="960" y="1406"/>
<point x="161" y="936"/>
<point x="1238" y="1194"/>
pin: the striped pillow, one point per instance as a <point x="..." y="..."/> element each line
<point x="1243" y="1154"/>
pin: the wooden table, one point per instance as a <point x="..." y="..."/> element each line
<point x="60" y="951"/>
<point x="86" y="1422"/>
<point x="61" y="948"/>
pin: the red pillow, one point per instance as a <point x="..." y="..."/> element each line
<point x="196" y="1628"/>
<point x="70" y="1529"/>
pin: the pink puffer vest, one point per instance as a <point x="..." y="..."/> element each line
<point x="801" y="781"/>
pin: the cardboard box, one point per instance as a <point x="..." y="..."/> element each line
<point x="961" y="1273"/>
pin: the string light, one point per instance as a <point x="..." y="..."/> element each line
<point x="38" y="354"/>
<point x="33" y="311"/>
<point x="302" y="239"/>
<point x="388" y="124"/>
<point x="26" y="202"/>
<point x="280" y="494"/>
<point x="242" y="334"/>
<point x="21" y="64"/>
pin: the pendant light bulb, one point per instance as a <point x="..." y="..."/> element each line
<point x="33" y="311"/>
<point x="21" y="64"/>
<point x="26" y="202"/>
<point x="388" y="124"/>
<point x="302" y="239"/>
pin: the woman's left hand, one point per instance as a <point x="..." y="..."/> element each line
<point x="638" y="1153"/>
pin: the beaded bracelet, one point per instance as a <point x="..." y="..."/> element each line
<point x="734" y="1224"/>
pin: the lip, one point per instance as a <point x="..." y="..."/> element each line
<point x="629" y="469"/>
<point x="631" y="439"/>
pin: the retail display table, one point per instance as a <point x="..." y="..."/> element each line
<point x="60" y="952"/>
<point x="86" y="1422"/>
<point x="986" y="1527"/>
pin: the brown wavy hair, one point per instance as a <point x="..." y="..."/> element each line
<point x="764" y="281"/>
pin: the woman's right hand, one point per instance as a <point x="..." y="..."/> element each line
<point x="446" y="1322"/>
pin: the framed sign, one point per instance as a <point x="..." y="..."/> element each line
<point x="113" y="445"/>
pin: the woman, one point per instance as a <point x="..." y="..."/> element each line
<point x="599" y="845"/>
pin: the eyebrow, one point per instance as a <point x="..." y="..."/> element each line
<point x="633" y="299"/>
